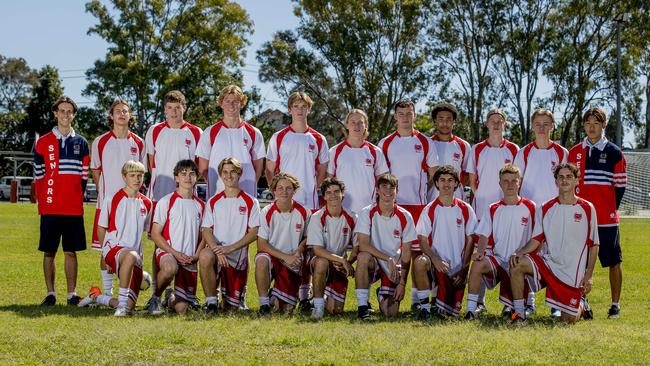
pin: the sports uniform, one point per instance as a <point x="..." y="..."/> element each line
<point x="454" y="152"/>
<point x="536" y="166"/>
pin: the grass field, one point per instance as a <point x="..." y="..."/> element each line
<point x="64" y="335"/>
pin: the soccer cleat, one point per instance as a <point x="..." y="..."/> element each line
<point x="155" y="307"/>
<point x="50" y="300"/>
<point x="74" y="300"/>
<point x="506" y="312"/>
<point x="614" y="312"/>
<point x="415" y="308"/>
<point x="480" y="308"/>
<point x="424" y="314"/>
<point x="517" y="319"/>
<point x="121" y="312"/>
<point x="363" y="313"/>
<point x="305" y="306"/>
<point x="91" y="297"/>
<point x="168" y="298"/>
<point x="470" y="316"/>
<point x="530" y="310"/>
<point x="587" y="313"/>
<point x="211" y="309"/>
<point x="556" y="313"/>
<point x="317" y="313"/>
<point x="265" y="310"/>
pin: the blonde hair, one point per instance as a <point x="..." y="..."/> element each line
<point x="288" y="177"/>
<point x="296" y="96"/>
<point x="541" y="112"/>
<point x="234" y="90"/>
<point x="347" y="118"/>
<point x="132" y="166"/>
<point x="232" y="161"/>
<point x="510" y="169"/>
<point x="496" y="111"/>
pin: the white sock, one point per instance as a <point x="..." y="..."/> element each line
<point x="362" y="296"/>
<point x="414" y="296"/>
<point x="107" y="282"/>
<point x="123" y="297"/>
<point x="423" y="299"/>
<point x="51" y="293"/>
<point x="520" y="308"/>
<point x="472" y="301"/>
<point x="531" y="299"/>
<point x="264" y="300"/>
<point x="303" y="293"/>
<point x="211" y="300"/>
<point x="103" y="300"/>
<point x="615" y="304"/>
<point x="481" y="294"/>
<point x="319" y="303"/>
<point x="70" y="294"/>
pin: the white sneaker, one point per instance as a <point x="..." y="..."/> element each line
<point x="121" y="312"/>
<point x="317" y="313"/>
<point x="155" y="307"/>
<point x="168" y="298"/>
<point x="556" y="313"/>
<point x="86" y="301"/>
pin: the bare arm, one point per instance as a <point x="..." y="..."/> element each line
<point x="480" y="250"/>
<point x="264" y="246"/>
<point x="203" y="168"/>
<point x="270" y="171"/>
<point x="150" y="161"/>
<point x="472" y="182"/>
<point x="96" y="174"/>
<point x="438" y="263"/>
<point x="530" y="247"/>
<point x="589" y="272"/>
<point x="250" y="237"/>
<point x="321" y="173"/>
<point x="258" y="166"/>
<point x="333" y="258"/>
<point x="159" y="240"/>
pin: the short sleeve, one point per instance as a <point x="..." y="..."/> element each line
<point x="432" y="155"/>
<point x="424" y="225"/>
<point x="593" y="228"/>
<point x="381" y="166"/>
<point x="258" y="148"/>
<point x="363" y="222"/>
<point x="104" y="212"/>
<point x="484" y="226"/>
<point x="324" y="154"/>
<point x="471" y="161"/>
<point x="95" y="163"/>
<point x="315" y="232"/>
<point x="272" y="149"/>
<point x="254" y="218"/>
<point x="408" y="234"/>
<point x="520" y="162"/>
<point x="204" y="147"/>
<point x="264" y="231"/>
<point x="538" y="229"/>
<point x="160" y="214"/>
<point x="330" y="166"/>
<point x="465" y="162"/>
<point x="208" y="219"/>
<point x="471" y="221"/>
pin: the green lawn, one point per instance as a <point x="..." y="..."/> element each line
<point x="63" y="335"/>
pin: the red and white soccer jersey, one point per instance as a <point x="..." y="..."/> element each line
<point x="230" y="219"/>
<point x="335" y="234"/>
<point x="168" y="146"/>
<point x="485" y="162"/>
<point x="568" y="232"/>
<point x="357" y="168"/>
<point x="508" y="228"/>
<point x="283" y="230"/>
<point x="244" y="143"/>
<point x="446" y="228"/>
<point x="181" y="221"/>
<point x="124" y="218"/>
<point x="387" y="233"/>
<point x="299" y="154"/>
<point x="409" y="158"/>
<point x="536" y="165"/>
<point x="454" y="152"/>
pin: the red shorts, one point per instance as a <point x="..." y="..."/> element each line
<point x="499" y="275"/>
<point x="386" y="286"/>
<point x="96" y="244"/>
<point x="113" y="261"/>
<point x="305" y="277"/>
<point x="415" y="211"/>
<point x="185" y="280"/>
<point x="233" y="285"/>
<point x="286" y="282"/>
<point x="559" y="295"/>
<point x="448" y="297"/>
<point x="336" y="284"/>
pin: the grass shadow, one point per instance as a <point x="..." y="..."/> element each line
<point x="37" y="311"/>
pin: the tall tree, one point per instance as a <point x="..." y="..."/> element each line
<point x="40" y="118"/>
<point x="16" y="82"/>
<point x="156" y="46"/>
<point x="350" y="54"/>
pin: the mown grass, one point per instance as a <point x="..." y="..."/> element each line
<point x="64" y="335"/>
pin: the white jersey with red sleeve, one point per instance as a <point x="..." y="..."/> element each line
<point x="446" y="229"/>
<point x="180" y="219"/>
<point x="244" y="143"/>
<point x="387" y="233"/>
<point x="409" y="158"/>
<point x="454" y="152"/>
<point x="283" y="230"/>
<point x="485" y="162"/>
<point x="335" y="234"/>
<point x="124" y="217"/>
<point x="107" y="155"/>
<point x="230" y="219"/>
<point x="567" y="231"/>
<point x="507" y="228"/>
<point x="357" y="168"/>
<point x="299" y="154"/>
<point x="167" y="146"/>
<point x="536" y="166"/>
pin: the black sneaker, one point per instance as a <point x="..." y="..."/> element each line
<point x="587" y="313"/>
<point x="424" y="314"/>
<point x="415" y="308"/>
<point x="614" y="312"/>
<point x="211" y="309"/>
<point x="363" y="313"/>
<point x="265" y="310"/>
<point x="480" y="308"/>
<point x="50" y="300"/>
<point x="74" y="300"/>
<point x="506" y="312"/>
<point x="305" y="306"/>
<point x="470" y="316"/>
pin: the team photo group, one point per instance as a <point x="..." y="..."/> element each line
<point x="457" y="217"/>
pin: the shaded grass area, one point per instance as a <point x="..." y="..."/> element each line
<point x="64" y="335"/>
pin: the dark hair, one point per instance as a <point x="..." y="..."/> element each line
<point x="115" y="104"/>
<point x="446" y="169"/>
<point x="288" y="177"/>
<point x="597" y="113"/>
<point x="64" y="99"/>
<point x="331" y="181"/>
<point x="444" y="107"/>
<point x="404" y="103"/>
<point x="175" y="96"/>
<point x="574" y="170"/>
<point x="387" y="178"/>
<point x="185" y="164"/>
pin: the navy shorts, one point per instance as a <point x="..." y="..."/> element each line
<point x="67" y="229"/>
<point x="609" y="251"/>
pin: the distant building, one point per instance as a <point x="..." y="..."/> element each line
<point x="274" y="118"/>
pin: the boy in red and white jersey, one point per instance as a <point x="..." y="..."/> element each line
<point x="451" y="149"/>
<point x="231" y="138"/>
<point x="507" y="228"/>
<point x="538" y="159"/>
<point x="300" y="151"/>
<point x="176" y="232"/>
<point x="445" y="233"/>
<point x="108" y="154"/>
<point x="330" y="234"/>
<point x="357" y="163"/>
<point x="385" y="233"/>
<point x="485" y="160"/>
<point x="281" y="247"/>
<point x="229" y="225"/>
<point x="120" y="227"/>
<point x="567" y="230"/>
<point x="411" y="157"/>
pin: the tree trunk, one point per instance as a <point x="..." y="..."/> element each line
<point x="647" y="112"/>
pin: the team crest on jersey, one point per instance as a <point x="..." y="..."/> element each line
<point x="242" y="210"/>
<point x="187" y="142"/>
<point x="574" y="301"/>
<point x="456" y="156"/>
<point x="312" y="147"/>
<point x="298" y="227"/>
<point x="577" y="217"/>
<point x="396" y="233"/>
<point x="345" y="231"/>
<point x="603" y="158"/>
<point x="143" y="211"/>
<point x="459" y="221"/>
<point x="245" y="141"/>
<point x="418" y="148"/>
<point x="134" y="150"/>
<point x="368" y="162"/>
<point x="524" y="221"/>
<point x="507" y="161"/>
<point x="77" y="149"/>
